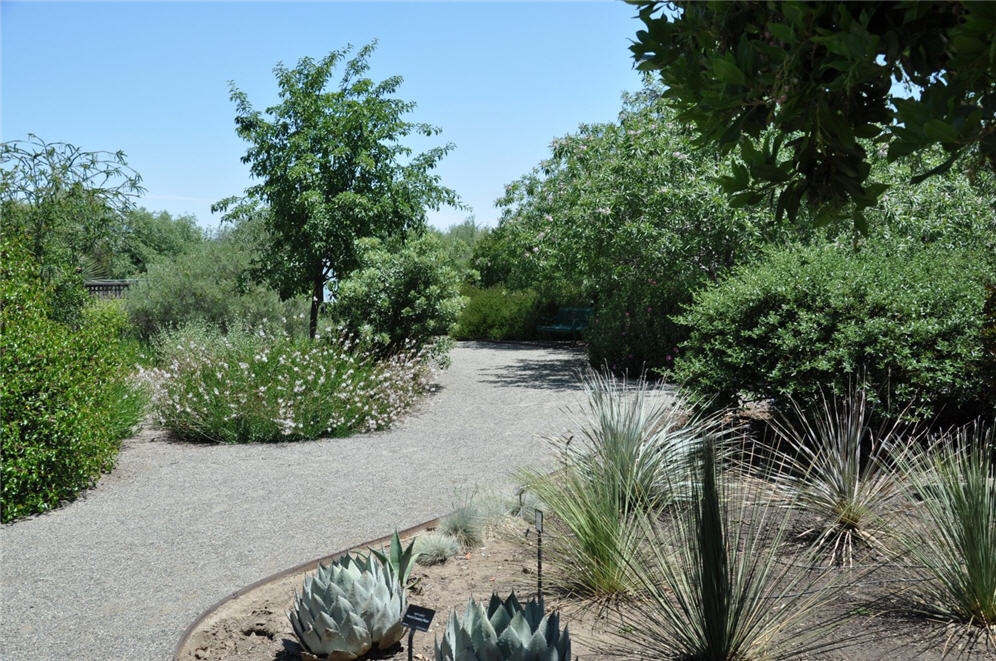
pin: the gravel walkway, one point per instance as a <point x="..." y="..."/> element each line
<point x="121" y="572"/>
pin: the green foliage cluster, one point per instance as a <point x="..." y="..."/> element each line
<point x="821" y="74"/>
<point x="245" y="387"/>
<point x="64" y="394"/>
<point x="333" y="166"/>
<point x="206" y="285"/>
<point x="497" y="313"/>
<point x="67" y="203"/>
<point x="150" y="237"/>
<point x="905" y="320"/>
<point x="399" y="295"/>
<point x="459" y="244"/>
<point x="616" y="207"/>
<point x="632" y="329"/>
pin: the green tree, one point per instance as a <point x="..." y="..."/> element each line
<point x="821" y="75"/>
<point x="151" y="236"/>
<point x="66" y="203"/>
<point x="332" y="168"/>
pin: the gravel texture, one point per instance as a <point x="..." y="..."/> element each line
<point x="121" y="572"/>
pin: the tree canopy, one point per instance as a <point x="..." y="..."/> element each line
<point x="833" y="80"/>
<point x="67" y="204"/>
<point x="332" y="167"/>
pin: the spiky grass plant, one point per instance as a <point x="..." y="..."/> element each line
<point x="952" y="485"/>
<point x="592" y="535"/>
<point x="632" y="439"/>
<point x="634" y="433"/>
<point x="712" y="586"/>
<point x="834" y="463"/>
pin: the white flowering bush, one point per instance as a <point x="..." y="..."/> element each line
<point x="255" y="387"/>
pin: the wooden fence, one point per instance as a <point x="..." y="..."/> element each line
<point x="108" y="288"/>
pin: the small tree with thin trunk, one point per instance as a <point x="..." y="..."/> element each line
<point x="331" y="168"/>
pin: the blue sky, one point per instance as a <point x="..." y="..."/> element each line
<point x="501" y="79"/>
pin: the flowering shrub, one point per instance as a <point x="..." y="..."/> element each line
<point x="252" y="387"/>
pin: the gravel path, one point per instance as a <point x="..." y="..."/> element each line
<point x="121" y="572"/>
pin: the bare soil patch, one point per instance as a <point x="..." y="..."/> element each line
<point x="877" y="622"/>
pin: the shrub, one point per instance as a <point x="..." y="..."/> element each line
<point x="204" y="285"/>
<point x="496" y="313"/>
<point x="65" y="399"/>
<point x="249" y="387"/>
<point x="406" y="295"/>
<point x="803" y="318"/>
<point x="631" y="330"/>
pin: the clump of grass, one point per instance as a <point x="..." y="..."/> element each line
<point x="592" y="535"/>
<point x="711" y="586"/>
<point x="834" y="463"/>
<point x="632" y="438"/>
<point x="434" y="547"/>
<point x="248" y="387"/>
<point x="634" y="433"/>
<point x="952" y="484"/>
<point x="480" y="510"/>
<point x="465" y="524"/>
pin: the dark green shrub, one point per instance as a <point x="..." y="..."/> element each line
<point x="631" y="330"/>
<point x="905" y="321"/>
<point x="406" y="295"/>
<point x="64" y="395"/>
<point x="496" y="313"/>
<point x="205" y="285"/>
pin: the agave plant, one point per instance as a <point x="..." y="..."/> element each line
<point x="349" y="607"/>
<point x="835" y="463"/>
<point x="399" y="559"/>
<point x="952" y="485"/>
<point x="504" y="631"/>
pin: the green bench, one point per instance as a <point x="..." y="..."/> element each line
<point x="569" y="321"/>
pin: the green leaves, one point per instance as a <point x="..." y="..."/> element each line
<point x="332" y="169"/>
<point x="824" y="72"/>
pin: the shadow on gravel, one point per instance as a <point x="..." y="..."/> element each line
<point x="548" y="373"/>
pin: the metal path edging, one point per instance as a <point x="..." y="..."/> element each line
<point x="310" y="565"/>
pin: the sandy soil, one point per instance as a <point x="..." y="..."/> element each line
<point x="876" y="625"/>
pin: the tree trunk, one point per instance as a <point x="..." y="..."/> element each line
<point x="317" y="297"/>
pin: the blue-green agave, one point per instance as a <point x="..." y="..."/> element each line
<point x="505" y="631"/>
<point x="349" y="607"/>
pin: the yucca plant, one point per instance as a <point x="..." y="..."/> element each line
<point x="952" y="486"/>
<point x="835" y="463"/>
<point x="632" y="439"/>
<point x="634" y="433"/>
<point x="713" y="587"/>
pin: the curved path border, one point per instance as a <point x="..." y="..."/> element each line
<point x="120" y="572"/>
<point x="311" y="565"/>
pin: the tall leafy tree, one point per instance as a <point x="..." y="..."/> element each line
<point x="332" y="167"/>
<point x="67" y="204"/>
<point x="828" y="77"/>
